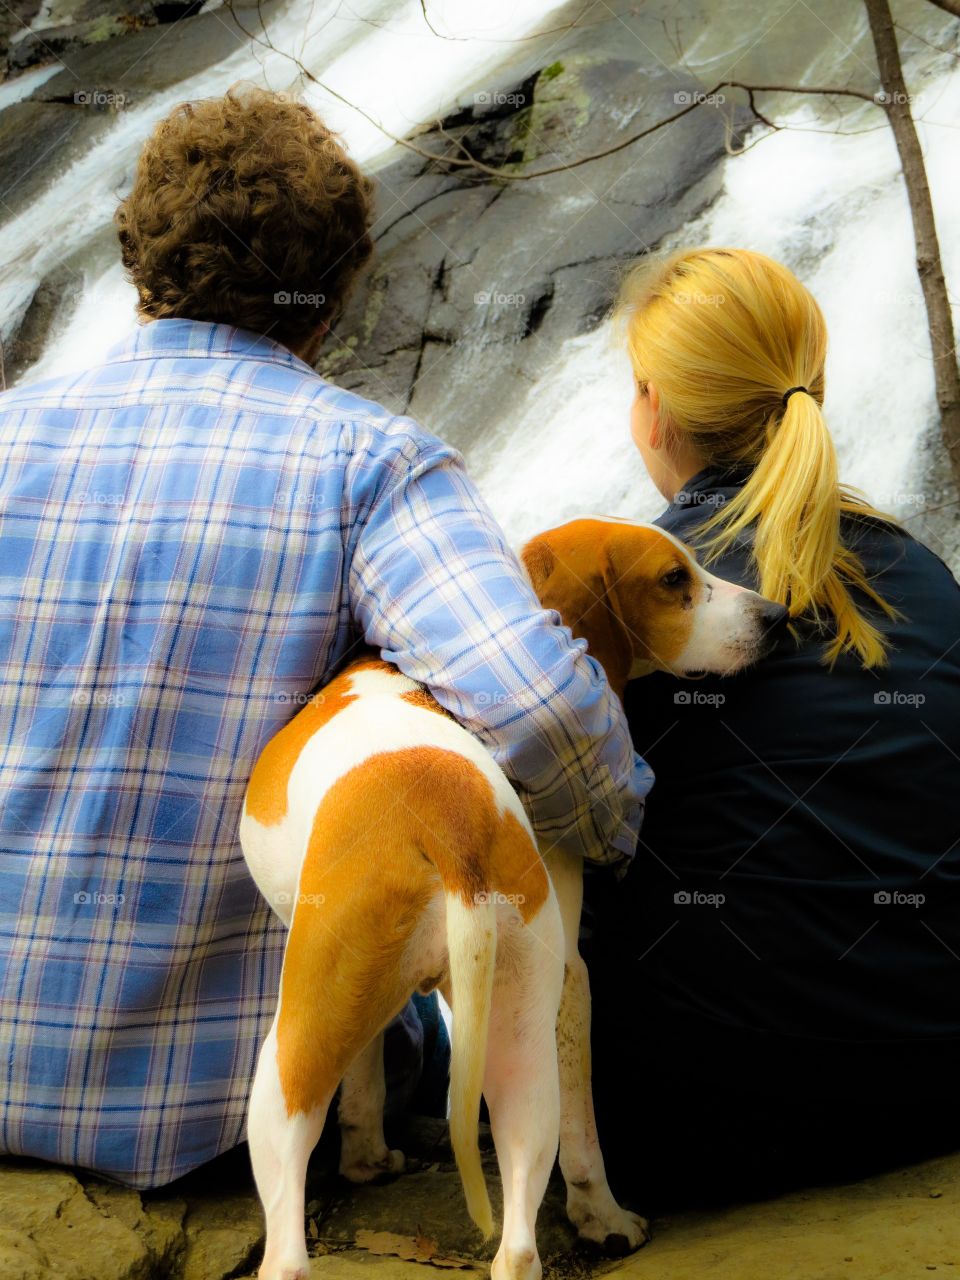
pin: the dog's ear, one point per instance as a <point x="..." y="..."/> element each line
<point x="570" y="578"/>
<point x="538" y="560"/>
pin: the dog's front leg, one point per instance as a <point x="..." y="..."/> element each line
<point x="590" y="1203"/>
<point x="364" y="1154"/>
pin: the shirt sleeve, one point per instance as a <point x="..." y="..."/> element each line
<point x="435" y="587"/>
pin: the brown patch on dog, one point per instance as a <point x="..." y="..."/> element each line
<point x="516" y="862"/>
<point x="267" y="793"/>
<point x="386" y="837"/>
<point x="423" y="698"/>
<point x="605" y="579"/>
<point x="267" y="799"/>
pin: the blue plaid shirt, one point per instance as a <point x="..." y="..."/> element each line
<point x="193" y="536"/>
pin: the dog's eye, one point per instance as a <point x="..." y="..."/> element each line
<point x="676" y="577"/>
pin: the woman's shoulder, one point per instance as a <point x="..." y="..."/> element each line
<point x="885" y="546"/>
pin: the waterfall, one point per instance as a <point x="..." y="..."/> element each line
<point x="554" y="439"/>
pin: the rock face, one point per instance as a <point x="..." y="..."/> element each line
<point x="107" y="63"/>
<point x="53" y="1225"/>
<point x="457" y="295"/>
<point x="31" y="32"/>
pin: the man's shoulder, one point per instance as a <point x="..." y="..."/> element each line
<point x="376" y="428"/>
<point x="219" y="374"/>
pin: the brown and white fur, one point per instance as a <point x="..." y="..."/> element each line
<point x="385" y="836"/>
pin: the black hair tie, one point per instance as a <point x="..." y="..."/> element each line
<point x="789" y="393"/>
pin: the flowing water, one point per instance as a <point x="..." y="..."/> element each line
<point x="833" y="207"/>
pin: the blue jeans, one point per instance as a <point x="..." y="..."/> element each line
<point x="417" y="1059"/>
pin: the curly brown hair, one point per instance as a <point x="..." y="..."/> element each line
<point x="246" y="210"/>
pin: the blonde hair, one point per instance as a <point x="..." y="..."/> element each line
<point x="723" y="334"/>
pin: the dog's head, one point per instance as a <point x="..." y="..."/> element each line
<point x="640" y="600"/>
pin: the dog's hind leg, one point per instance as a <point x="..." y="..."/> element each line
<point x="521" y="1082"/>
<point x="591" y="1206"/>
<point x="280" y="1146"/>
<point x="364" y="1153"/>
<point x="343" y="979"/>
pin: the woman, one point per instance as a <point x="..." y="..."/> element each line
<point x="788" y="934"/>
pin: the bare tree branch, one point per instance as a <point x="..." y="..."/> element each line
<point x="575" y="25"/>
<point x="893" y="100"/>
<point x="466" y="161"/>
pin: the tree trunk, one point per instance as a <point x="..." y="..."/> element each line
<point x="896" y="102"/>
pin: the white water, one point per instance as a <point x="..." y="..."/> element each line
<point x="393" y="65"/>
<point x="832" y="207"/>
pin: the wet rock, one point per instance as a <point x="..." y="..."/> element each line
<point x="46" y="42"/>
<point x="57" y="133"/>
<point x="33" y="33"/>
<point x="52" y="304"/>
<point x="15" y="17"/>
<point x="100" y="78"/>
<point x="473" y="271"/>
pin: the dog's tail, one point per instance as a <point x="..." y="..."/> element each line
<point x="472" y="948"/>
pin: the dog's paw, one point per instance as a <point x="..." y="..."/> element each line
<point x="284" y="1270"/>
<point x="600" y="1221"/>
<point x="365" y="1170"/>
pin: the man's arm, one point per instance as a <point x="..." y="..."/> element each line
<point x="435" y="587"/>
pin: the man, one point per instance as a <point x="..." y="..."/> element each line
<point x="195" y="535"/>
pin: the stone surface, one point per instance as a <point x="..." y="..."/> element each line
<point x="60" y="1226"/>
<point x="900" y="1225"/>
<point x="56" y="1226"/>
<point x="99" y="79"/>
<point x="458" y="297"/>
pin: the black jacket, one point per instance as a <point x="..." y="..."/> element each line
<point x="797" y="874"/>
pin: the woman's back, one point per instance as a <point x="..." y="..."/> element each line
<point x="779" y="969"/>
<point x="800" y="858"/>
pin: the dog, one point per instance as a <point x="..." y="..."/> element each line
<point x="395" y="849"/>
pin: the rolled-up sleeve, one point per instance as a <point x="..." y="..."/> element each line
<point x="435" y="587"/>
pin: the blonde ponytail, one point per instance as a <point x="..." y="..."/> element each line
<point x="724" y="334"/>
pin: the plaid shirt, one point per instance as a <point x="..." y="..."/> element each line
<point x="192" y="537"/>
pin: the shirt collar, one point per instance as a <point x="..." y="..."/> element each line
<point x="179" y="338"/>
<point x="729" y="476"/>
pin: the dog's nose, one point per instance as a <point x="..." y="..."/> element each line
<point x="774" y="617"/>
